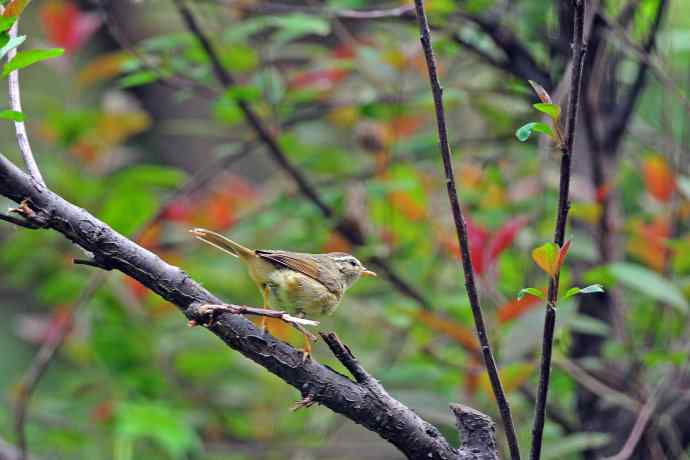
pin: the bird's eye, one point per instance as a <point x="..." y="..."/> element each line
<point x="353" y="263"/>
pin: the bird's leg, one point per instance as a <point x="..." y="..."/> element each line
<point x="266" y="293"/>
<point x="308" y="337"/>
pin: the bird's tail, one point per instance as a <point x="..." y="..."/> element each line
<point x="222" y="243"/>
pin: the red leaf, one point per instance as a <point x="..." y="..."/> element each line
<point x="477" y="237"/>
<point x="562" y="253"/>
<point x="320" y="79"/>
<point x="516" y="308"/>
<point x="505" y="236"/>
<point x="66" y="25"/>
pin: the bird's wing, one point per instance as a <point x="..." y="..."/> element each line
<point x="304" y="264"/>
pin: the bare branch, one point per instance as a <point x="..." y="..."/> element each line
<point x="16" y="105"/>
<point x="561" y="222"/>
<point x="461" y="230"/>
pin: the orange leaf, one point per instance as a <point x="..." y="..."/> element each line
<point x="407" y="205"/>
<point x="458" y="332"/>
<point x="512" y="376"/>
<point x="515" y="308"/>
<point x="649" y="242"/>
<point x="546" y="257"/>
<point x="659" y="179"/>
<point x="15" y="8"/>
<point x="104" y="66"/>
<point x="549" y="257"/>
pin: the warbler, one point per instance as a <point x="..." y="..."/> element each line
<point x="300" y="283"/>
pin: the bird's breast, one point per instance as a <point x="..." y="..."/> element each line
<point x="298" y="293"/>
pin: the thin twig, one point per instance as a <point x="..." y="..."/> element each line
<point x="638" y="429"/>
<point x="561" y="222"/>
<point x="461" y="230"/>
<point x="16" y="105"/>
<point x="17" y="221"/>
<point x="212" y="310"/>
<point x="43" y="359"/>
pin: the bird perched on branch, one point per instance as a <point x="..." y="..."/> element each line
<point x="305" y="284"/>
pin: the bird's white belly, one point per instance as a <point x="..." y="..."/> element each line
<point x="292" y="291"/>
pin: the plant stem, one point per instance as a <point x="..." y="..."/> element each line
<point x="561" y="222"/>
<point x="461" y="229"/>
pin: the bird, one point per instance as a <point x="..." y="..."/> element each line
<point x="301" y="283"/>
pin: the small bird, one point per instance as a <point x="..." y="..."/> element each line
<point x="304" y="284"/>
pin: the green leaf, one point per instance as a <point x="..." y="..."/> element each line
<point x="532" y="291"/>
<point x="26" y="58"/>
<point x="140" y="78"/>
<point x="588" y="325"/>
<point x="11" y="115"/>
<point x="166" y="426"/>
<point x="650" y="283"/>
<point x="248" y="93"/>
<point x="525" y="131"/>
<point x="7" y="22"/>
<point x="592" y="288"/>
<point x="11" y="44"/>
<point x="552" y="110"/>
<point x="571" y="292"/>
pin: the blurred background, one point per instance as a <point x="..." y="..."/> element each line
<point x="133" y="125"/>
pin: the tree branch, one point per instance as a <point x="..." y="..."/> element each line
<point x="16" y="105"/>
<point x="626" y="107"/>
<point x="561" y="222"/>
<point x="461" y="230"/>
<point x="518" y="60"/>
<point x="375" y="410"/>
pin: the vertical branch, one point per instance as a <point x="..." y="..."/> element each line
<point x="461" y="230"/>
<point x="561" y="222"/>
<point x="16" y="105"/>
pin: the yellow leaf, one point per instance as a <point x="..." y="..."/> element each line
<point x="104" y="66"/>
<point x="15" y="8"/>
<point x="512" y="376"/>
<point x="546" y="257"/>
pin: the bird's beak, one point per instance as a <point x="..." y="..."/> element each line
<point x="368" y="273"/>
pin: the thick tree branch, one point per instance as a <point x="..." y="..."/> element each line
<point x="461" y="230"/>
<point x="561" y="222"/>
<point x="375" y="410"/>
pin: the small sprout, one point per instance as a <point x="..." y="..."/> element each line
<point x="549" y="257"/>
<point x="552" y="110"/>
<point x="531" y="291"/>
<point x="541" y="92"/>
<point x="524" y="132"/>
